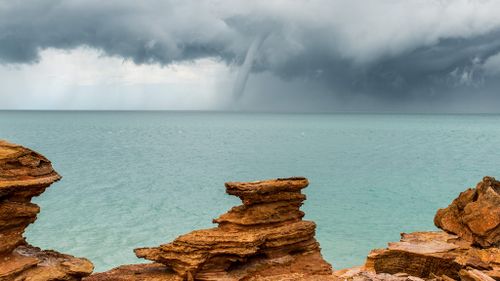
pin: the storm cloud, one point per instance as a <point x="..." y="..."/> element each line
<point x="385" y="50"/>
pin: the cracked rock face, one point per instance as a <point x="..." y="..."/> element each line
<point x="434" y="254"/>
<point x="25" y="174"/>
<point x="474" y="215"/>
<point x="467" y="249"/>
<point x="263" y="238"/>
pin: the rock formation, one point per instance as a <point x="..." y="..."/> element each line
<point x="431" y="254"/>
<point x="263" y="239"/>
<point x="475" y="214"/>
<point x="136" y="272"/>
<point x="467" y="250"/>
<point x="265" y="236"/>
<point x="23" y="175"/>
<point x="266" y="239"/>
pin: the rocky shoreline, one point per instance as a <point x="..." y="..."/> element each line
<point x="264" y="239"/>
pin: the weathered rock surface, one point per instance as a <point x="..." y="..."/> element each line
<point x="430" y="254"/>
<point x="23" y="175"/>
<point x="137" y="272"/>
<point x="263" y="239"/>
<point x="362" y="274"/>
<point x="475" y="214"/>
<point x="474" y="275"/>
<point x="468" y="250"/>
<point x="160" y="272"/>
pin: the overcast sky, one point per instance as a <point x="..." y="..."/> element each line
<point x="282" y="55"/>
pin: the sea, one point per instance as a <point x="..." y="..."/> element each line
<point x="136" y="179"/>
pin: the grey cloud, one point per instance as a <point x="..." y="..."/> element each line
<point x="492" y="65"/>
<point x="395" y="50"/>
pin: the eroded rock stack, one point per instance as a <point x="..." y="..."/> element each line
<point x="474" y="215"/>
<point x="467" y="249"/>
<point x="23" y="175"/>
<point x="263" y="238"/>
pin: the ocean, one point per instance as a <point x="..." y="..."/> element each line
<point x="135" y="179"/>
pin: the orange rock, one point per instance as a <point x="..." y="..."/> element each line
<point x="468" y="251"/>
<point x="36" y="265"/>
<point x="23" y="175"/>
<point x="427" y="254"/>
<point x="264" y="238"/>
<point x="136" y="272"/>
<point x="474" y="275"/>
<point x="475" y="214"/>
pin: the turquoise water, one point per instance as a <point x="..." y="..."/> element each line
<point x="133" y="179"/>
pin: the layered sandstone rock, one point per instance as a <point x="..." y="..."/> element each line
<point x="431" y="254"/>
<point x="468" y="250"/>
<point x="362" y="274"/>
<point x="23" y="175"/>
<point x="475" y="214"/>
<point x="160" y="272"/>
<point x="136" y="272"/>
<point x="263" y="238"/>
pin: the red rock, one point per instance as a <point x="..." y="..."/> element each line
<point x="474" y="275"/>
<point x="23" y="175"/>
<point x="137" y="272"/>
<point x="265" y="239"/>
<point x="474" y="215"/>
<point x="471" y="254"/>
<point x="262" y="239"/>
<point x="428" y="254"/>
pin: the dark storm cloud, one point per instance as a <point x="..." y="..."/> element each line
<point x="387" y="48"/>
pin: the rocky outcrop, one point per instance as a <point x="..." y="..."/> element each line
<point x="466" y="250"/>
<point x="137" y="272"/>
<point x="23" y="175"/>
<point x="431" y="254"/>
<point x="361" y="274"/>
<point x="474" y="215"/>
<point x="264" y="237"/>
<point x="160" y="272"/>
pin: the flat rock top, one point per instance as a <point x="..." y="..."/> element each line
<point x="20" y="166"/>
<point x="138" y="272"/>
<point x="427" y="247"/>
<point x="293" y="184"/>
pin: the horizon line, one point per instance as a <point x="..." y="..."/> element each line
<point x="255" y="111"/>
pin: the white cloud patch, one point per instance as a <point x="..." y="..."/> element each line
<point x="84" y="78"/>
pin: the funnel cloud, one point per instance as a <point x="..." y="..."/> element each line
<point x="246" y="67"/>
<point x="311" y="55"/>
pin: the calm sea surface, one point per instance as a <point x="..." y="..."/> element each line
<point x="133" y="179"/>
